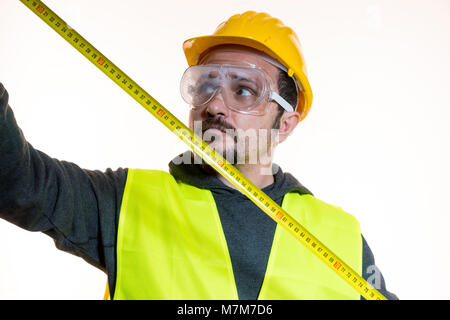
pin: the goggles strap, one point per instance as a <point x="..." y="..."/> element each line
<point x="283" y="103"/>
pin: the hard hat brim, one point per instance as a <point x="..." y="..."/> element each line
<point x="194" y="47"/>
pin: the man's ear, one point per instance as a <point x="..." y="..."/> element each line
<point x="288" y="122"/>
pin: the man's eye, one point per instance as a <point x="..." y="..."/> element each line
<point x="243" y="91"/>
<point x="207" y="88"/>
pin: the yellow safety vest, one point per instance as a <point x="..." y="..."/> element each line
<point x="171" y="245"/>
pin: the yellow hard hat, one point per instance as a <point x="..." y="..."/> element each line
<point x="264" y="33"/>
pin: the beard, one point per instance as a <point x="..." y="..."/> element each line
<point x="237" y="146"/>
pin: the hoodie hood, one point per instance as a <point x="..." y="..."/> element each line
<point x="195" y="175"/>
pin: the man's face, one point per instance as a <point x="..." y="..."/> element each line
<point x="239" y="137"/>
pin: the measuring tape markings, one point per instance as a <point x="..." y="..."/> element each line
<point x="204" y="150"/>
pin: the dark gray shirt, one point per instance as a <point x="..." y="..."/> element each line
<point x="80" y="208"/>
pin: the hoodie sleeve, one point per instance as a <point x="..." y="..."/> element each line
<point x="372" y="274"/>
<point x="78" y="208"/>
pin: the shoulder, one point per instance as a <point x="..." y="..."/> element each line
<point x="158" y="181"/>
<point x="147" y="176"/>
<point x="320" y="211"/>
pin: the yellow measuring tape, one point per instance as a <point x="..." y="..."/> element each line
<point x="201" y="148"/>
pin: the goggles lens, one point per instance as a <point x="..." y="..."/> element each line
<point x="241" y="88"/>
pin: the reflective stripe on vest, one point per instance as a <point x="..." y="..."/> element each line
<point x="171" y="245"/>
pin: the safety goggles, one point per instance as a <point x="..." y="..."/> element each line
<point x="242" y="89"/>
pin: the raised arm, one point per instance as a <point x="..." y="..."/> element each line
<point x="78" y="208"/>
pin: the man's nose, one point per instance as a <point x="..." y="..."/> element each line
<point x="217" y="105"/>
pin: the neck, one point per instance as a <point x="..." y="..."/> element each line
<point x="260" y="175"/>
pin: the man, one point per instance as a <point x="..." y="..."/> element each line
<point x="190" y="234"/>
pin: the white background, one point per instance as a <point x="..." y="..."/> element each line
<point x="376" y="142"/>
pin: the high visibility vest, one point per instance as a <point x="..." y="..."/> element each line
<point x="171" y="245"/>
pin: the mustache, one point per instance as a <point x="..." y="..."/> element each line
<point x="216" y="123"/>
